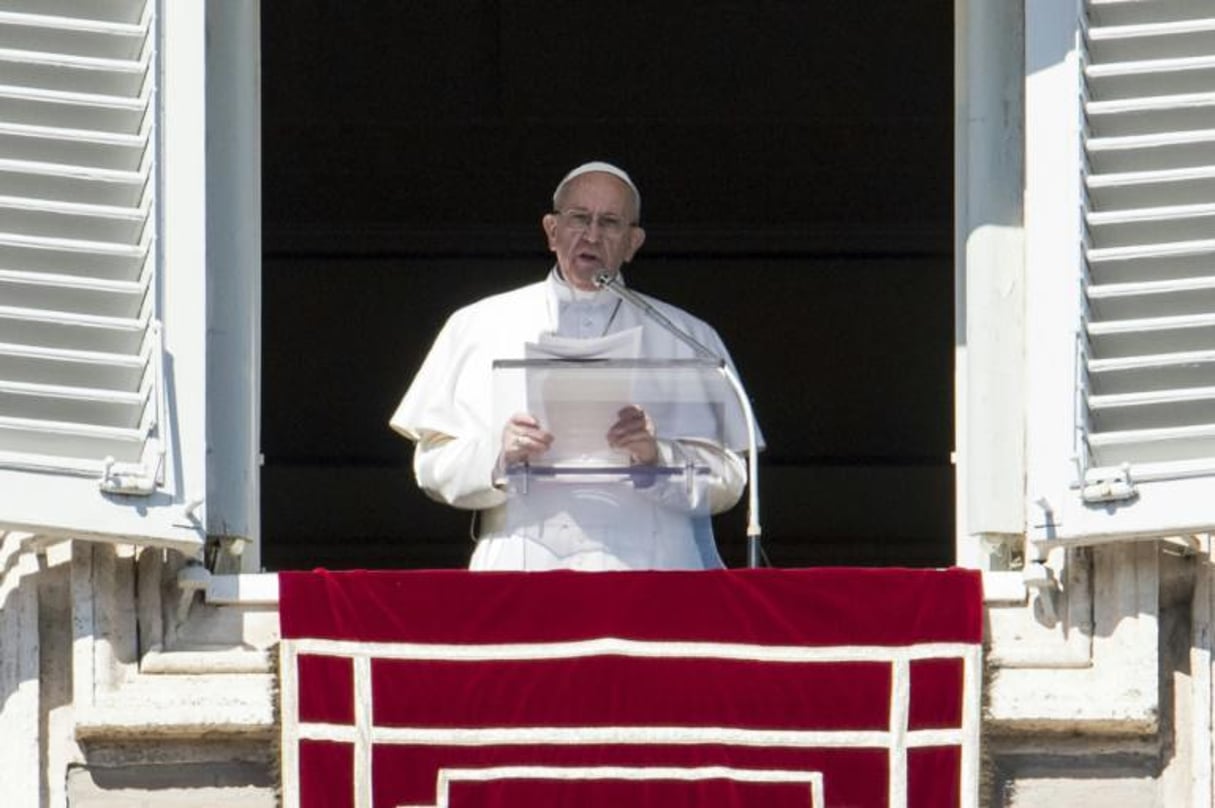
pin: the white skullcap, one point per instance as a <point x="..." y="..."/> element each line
<point x="604" y="168"/>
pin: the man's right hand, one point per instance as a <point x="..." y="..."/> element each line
<point x="523" y="439"/>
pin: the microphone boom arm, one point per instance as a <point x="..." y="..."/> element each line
<point x="611" y="282"/>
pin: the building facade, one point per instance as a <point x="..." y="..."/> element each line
<point x="137" y="637"/>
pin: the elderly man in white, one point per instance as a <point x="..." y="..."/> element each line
<point x="449" y="409"/>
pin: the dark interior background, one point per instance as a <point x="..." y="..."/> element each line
<point x="795" y="161"/>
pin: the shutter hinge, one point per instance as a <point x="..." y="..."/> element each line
<point x="1108" y="485"/>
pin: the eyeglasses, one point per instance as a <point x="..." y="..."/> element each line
<point x="580" y="221"/>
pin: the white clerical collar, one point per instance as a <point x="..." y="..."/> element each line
<point x="569" y="294"/>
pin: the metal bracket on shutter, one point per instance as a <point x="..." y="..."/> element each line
<point x="137" y="481"/>
<point x="1109" y="485"/>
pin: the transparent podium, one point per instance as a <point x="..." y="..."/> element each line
<point x="584" y="499"/>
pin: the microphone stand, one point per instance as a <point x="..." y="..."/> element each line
<point x="611" y="282"/>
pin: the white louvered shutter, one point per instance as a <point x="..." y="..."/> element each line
<point x="84" y="429"/>
<point x="1143" y="403"/>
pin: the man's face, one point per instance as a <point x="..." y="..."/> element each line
<point x="593" y="229"/>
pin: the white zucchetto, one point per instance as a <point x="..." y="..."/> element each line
<point x="605" y="168"/>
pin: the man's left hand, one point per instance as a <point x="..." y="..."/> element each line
<point x="634" y="433"/>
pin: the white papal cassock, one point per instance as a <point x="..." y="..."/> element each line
<point x="449" y="411"/>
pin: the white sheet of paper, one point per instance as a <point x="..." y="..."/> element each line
<point x="579" y="405"/>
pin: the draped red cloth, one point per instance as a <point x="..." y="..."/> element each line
<point x="848" y="687"/>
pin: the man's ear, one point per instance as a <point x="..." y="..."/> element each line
<point x="549" y="223"/>
<point x="636" y="239"/>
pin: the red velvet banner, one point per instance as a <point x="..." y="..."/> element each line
<point x="837" y="687"/>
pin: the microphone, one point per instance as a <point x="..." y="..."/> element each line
<point x="611" y="282"/>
